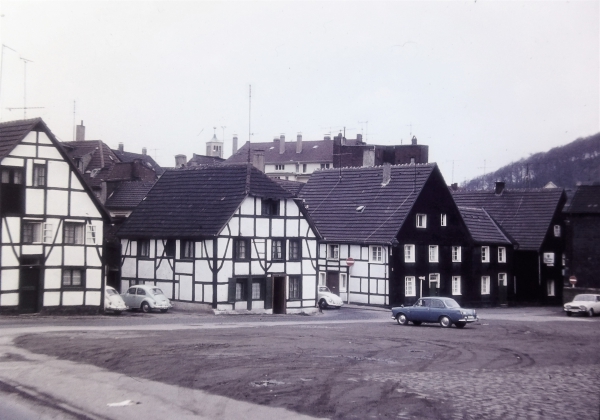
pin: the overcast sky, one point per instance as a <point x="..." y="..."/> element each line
<point x="482" y="83"/>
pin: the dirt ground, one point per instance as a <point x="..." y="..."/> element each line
<point x="357" y="370"/>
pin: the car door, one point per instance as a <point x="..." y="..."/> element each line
<point x="436" y="310"/>
<point x="140" y="296"/>
<point x="420" y="311"/>
<point x="129" y="297"/>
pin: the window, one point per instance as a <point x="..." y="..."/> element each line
<point x="295" y="250"/>
<point x="47" y="233"/>
<point x="241" y="249"/>
<point x="187" y="250"/>
<point x="443" y="219"/>
<point x="39" y="175"/>
<point x="436" y="303"/>
<point x="324" y="165"/>
<point x="170" y="248"/>
<point x="144" y="248"/>
<point x="550" y="287"/>
<point x="485" y="285"/>
<point x="333" y="252"/>
<point x="13" y="193"/>
<point x="557" y="234"/>
<point x="73" y="233"/>
<point x="433" y="253"/>
<point x="409" y="253"/>
<point x="256" y="290"/>
<point x="343" y="282"/>
<point x="502" y="279"/>
<point x="91" y="234"/>
<point x="421" y="221"/>
<point x="295" y="284"/>
<point x="277" y="249"/>
<point x="304" y="167"/>
<point x="240" y="289"/>
<point x="72" y="277"/>
<point x="409" y="286"/>
<point x="434" y="281"/>
<point x="501" y="254"/>
<point x="456" y="285"/>
<point x="36" y="232"/>
<point x="456" y="254"/>
<point x="485" y="254"/>
<point x="270" y="207"/>
<point x="279" y="167"/>
<point x="322" y="279"/>
<point x="376" y="253"/>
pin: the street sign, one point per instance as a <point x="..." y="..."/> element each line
<point x="350" y="262"/>
<point x="572" y="280"/>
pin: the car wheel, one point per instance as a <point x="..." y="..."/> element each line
<point x="445" y="322"/>
<point x="164" y="311"/>
<point x="323" y="304"/>
<point x="590" y="312"/>
<point x="145" y="307"/>
<point x="460" y="324"/>
<point x="569" y="313"/>
<point x="401" y="319"/>
<point x="417" y="323"/>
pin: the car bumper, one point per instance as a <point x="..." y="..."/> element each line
<point x="468" y="319"/>
<point x="575" y="310"/>
<point x="161" y="306"/>
<point x="116" y="308"/>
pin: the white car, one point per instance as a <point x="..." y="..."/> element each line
<point x="327" y="299"/>
<point x="583" y="304"/>
<point x="113" y="302"/>
<point x="146" y="297"/>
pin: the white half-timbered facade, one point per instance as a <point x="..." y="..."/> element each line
<point x="224" y="235"/>
<point x="51" y="226"/>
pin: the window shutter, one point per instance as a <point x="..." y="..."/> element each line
<point x="269" y="293"/>
<point x="231" y="294"/>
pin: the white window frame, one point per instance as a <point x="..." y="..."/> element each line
<point x="485" y="254"/>
<point x="376" y="254"/>
<point x="343" y="282"/>
<point x="501" y="254"/>
<point x="256" y="287"/>
<point x="456" y="254"/>
<point x="409" y="253"/>
<point x="410" y="286"/>
<point x="322" y="279"/>
<point x="333" y="252"/>
<point x="502" y="279"/>
<point x="76" y="226"/>
<point x="443" y="219"/>
<point x="280" y="167"/>
<point x="434" y="253"/>
<point x="557" y="231"/>
<point x="550" y="288"/>
<point x="485" y="285"/>
<point x="90" y="235"/>
<point x="456" y="291"/>
<point x="421" y="221"/>
<point x="434" y="278"/>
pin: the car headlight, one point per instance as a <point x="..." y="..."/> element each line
<point x="583" y="308"/>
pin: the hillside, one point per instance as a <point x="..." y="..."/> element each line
<point x="565" y="166"/>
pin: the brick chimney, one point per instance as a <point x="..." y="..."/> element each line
<point x="121" y="147"/>
<point x="80" y="132"/>
<point x="282" y="144"/>
<point x="180" y="161"/>
<point x="144" y="151"/>
<point x="258" y="160"/>
<point x="235" y="144"/>
<point x="299" y="143"/>
<point x="414" y="141"/>
<point x="499" y="187"/>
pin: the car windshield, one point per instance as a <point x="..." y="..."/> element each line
<point x="156" y="291"/>
<point x="324" y="289"/>
<point x="585" y="298"/>
<point x="451" y="303"/>
<point x="111" y="292"/>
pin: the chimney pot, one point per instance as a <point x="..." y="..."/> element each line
<point x="235" y="144"/>
<point x="144" y="151"/>
<point x="359" y="138"/>
<point x="414" y="140"/>
<point x="80" y="132"/>
<point x="180" y="161"/>
<point x="299" y="143"/>
<point x="282" y="144"/>
<point x="121" y="147"/>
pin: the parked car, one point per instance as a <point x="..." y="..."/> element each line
<point x="583" y="304"/>
<point x="146" y="298"/>
<point x="327" y="299"/>
<point x="444" y="310"/>
<point x="113" y="302"/>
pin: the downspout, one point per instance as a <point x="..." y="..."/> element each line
<point x="215" y="272"/>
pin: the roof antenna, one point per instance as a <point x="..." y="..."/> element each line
<point x="250" y="114"/>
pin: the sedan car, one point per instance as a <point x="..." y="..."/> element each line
<point x="583" y="304"/>
<point x="327" y="299"/>
<point x="444" y="310"/>
<point x="113" y="302"/>
<point x="146" y="297"/>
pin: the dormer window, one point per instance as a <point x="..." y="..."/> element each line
<point x="279" y="167"/>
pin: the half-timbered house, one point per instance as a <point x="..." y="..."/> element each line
<point x="224" y="235"/>
<point x="51" y="226"/>
<point x="391" y="234"/>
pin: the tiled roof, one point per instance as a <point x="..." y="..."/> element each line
<point x="12" y="132"/>
<point x="351" y="205"/>
<point x="130" y="157"/>
<point x="197" y="202"/>
<point x="525" y="214"/>
<point x="102" y="156"/>
<point x="312" y="152"/>
<point x="292" y="186"/>
<point x="128" y="195"/>
<point x="204" y="160"/>
<point x="482" y="227"/>
<point x="586" y="199"/>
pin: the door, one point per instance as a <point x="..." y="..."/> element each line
<point x="502" y="289"/>
<point x="279" y="295"/>
<point x="29" y="284"/>
<point x="434" y="285"/>
<point x="333" y="282"/>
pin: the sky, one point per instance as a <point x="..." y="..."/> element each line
<point x="482" y="83"/>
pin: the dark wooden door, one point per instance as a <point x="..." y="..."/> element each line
<point x="333" y="282"/>
<point x="502" y="294"/>
<point x="29" y="285"/>
<point x="279" y="295"/>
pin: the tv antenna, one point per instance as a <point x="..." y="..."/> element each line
<point x="362" y="129"/>
<point x="25" y="107"/>
<point x="1" y="65"/>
